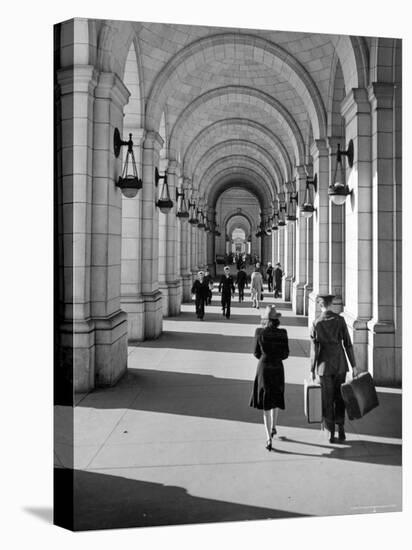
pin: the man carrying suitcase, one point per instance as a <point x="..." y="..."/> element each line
<point x="329" y="335"/>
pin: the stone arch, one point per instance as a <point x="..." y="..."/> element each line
<point x="241" y="163"/>
<point x="353" y="55"/>
<point x="231" y="177"/>
<point x="238" y="147"/>
<point x="335" y="97"/>
<point x="247" y="125"/>
<point x="234" y="214"/>
<point x="262" y="51"/>
<point x="242" y="93"/>
<point x="383" y="54"/>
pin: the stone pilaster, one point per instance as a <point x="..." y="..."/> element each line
<point x="298" y="286"/>
<point x="358" y="224"/>
<point x="320" y="157"/>
<point x="172" y="258"/>
<point x="150" y="238"/>
<point x="74" y="169"/>
<point x="131" y="257"/>
<point x="384" y="361"/>
<point x="110" y="321"/>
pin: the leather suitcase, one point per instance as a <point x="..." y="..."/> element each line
<point x="359" y="395"/>
<point x="312" y="402"/>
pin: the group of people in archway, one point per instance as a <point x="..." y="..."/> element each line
<point x="203" y="285"/>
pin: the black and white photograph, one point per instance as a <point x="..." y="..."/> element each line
<point x="227" y="294"/>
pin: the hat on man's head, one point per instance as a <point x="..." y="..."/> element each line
<point x="200" y="272"/>
<point x="271" y="313"/>
<point x="327" y="299"/>
<point x="226" y="268"/>
<point x="278" y="263"/>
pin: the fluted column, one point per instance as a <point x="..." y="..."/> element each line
<point x="289" y="236"/>
<point x="298" y="287"/>
<point x="150" y="237"/>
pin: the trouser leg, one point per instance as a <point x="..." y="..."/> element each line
<point x="328" y="407"/>
<point x="201" y="307"/>
<point x="339" y="403"/>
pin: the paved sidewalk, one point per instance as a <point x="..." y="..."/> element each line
<point x="176" y="442"/>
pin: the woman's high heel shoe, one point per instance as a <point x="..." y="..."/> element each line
<point x="269" y="445"/>
<point x="273" y="432"/>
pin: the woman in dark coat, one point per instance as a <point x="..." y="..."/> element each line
<point x="271" y="347"/>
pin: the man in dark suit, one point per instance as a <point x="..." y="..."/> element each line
<point x="269" y="273"/>
<point x="209" y="282"/>
<point x="201" y="291"/>
<point x="241" y="281"/>
<point x="278" y="273"/>
<point x="328" y="333"/>
<point x="227" y="288"/>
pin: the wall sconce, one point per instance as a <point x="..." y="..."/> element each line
<point x="182" y="211"/>
<point x="128" y="182"/>
<point x="307" y="207"/>
<point x="164" y="203"/>
<point x="338" y="189"/>
<point x="275" y="221"/>
<point x="291" y="208"/>
<point x="215" y="226"/>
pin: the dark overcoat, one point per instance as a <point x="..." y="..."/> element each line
<point x="329" y="341"/>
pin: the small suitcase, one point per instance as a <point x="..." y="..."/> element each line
<point x="359" y="395"/>
<point x="312" y="402"/>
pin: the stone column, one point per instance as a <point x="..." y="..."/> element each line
<point x="131" y="256"/>
<point x="358" y="239"/>
<point x="298" y="287"/>
<point x="307" y="289"/>
<point x="320" y="156"/>
<point x="110" y="322"/>
<point x="336" y="234"/>
<point x="384" y="362"/>
<point x="289" y="250"/>
<point x="150" y="238"/>
<point x="185" y="274"/>
<point x="169" y="282"/>
<point x="73" y="167"/>
<point x="194" y="263"/>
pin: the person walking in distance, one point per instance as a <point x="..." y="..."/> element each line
<point x="209" y="281"/>
<point x="271" y="347"/>
<point x="278" y="273"/>
<point x="269" y="273"/>
<point x="241" y="281"/>
<point x="200" y="289"/>
<point x="256" y="287"/>
<point x="329" y="341"/>
<point x="227" y="289"/>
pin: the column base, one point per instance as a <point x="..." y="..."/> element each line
<point x="134" y="307"/>
<point x="111" y="348"/>
<point x="385" y="360"/>
<point x="75" y="368"/>
<point x="307" y="290"/>
<point x="298" y="298"/>
<point x="164" y="289"/>
<point x="186" y="287"/>
<point x="175" y="297"/>
<point x="153" y="314"/>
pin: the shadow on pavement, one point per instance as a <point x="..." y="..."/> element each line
<point x="228" y="399"/>
<point x="104" y="501"/>
<point x="215" y="342"/>
<point x="252" y="319"/>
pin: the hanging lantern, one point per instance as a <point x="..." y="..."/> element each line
<point x="275" y="221"/>
<point x="268" y="226"/>
<point x="182" y="211"/>
<point x="307" y="208"/>
<point x="201" y="222"/>
<point x="192" y="213"/>
<point x="338" y="189"/>
<point x="128" y="182"/>
<point x="291" y="208"/>
<point x="164" y="203"/>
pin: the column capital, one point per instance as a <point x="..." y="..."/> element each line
<point x="319" y="148"/>
<point x="110" y="86"/>
<point x="300" y="171"/>
<point x="153" y="140"/>
<point x="381" y="95"/>
<point x="355" y="102"/>
<point x="173" y="167"/>
<point x="78" y="78"/>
